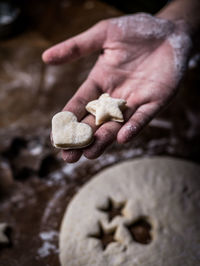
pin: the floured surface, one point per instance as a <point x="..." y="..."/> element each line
<point x="43" y="183"/>
<point x="161" y="194"/>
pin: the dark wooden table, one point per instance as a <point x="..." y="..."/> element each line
<point x="30" y="93"/>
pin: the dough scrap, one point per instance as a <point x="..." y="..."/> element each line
<point x="3" y="237"/>
<point x="67" y="133"/>
<point x="161" y="192"/>
<point x="106" y="108"/>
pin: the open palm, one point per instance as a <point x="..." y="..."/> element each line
<point x="141" y="61"/>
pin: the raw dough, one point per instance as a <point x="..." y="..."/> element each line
<point x="155" y="219"/>
<point x="3" y="237"/>
<point x="106" y="108"/>
<point x="67" y="133"/>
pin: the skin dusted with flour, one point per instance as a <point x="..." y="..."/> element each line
<point x="142" y="60"/>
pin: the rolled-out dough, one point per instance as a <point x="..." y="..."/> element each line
<point x="143" y="212"/>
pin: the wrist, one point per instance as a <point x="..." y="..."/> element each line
<point x="185" y="13"/>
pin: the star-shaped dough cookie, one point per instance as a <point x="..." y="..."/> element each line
<point x="3" y="237"/>
<point x="106" y="108"/>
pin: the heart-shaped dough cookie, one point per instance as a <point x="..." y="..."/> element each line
<point x="68" y="133"/>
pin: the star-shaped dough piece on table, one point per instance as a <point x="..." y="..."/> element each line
<point x="3" y="237"/>
<point x="106" y="108"/>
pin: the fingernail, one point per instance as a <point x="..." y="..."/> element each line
<point x="64" y="155"/>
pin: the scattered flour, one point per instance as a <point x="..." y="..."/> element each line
<point x="158" y="142"/>
<point x="69" y="169"/>
<point x="47" y="247"/>
<point x="36" y="150"/>
<point x="193" y="129"/>
<point x="5" y="19"/>
<point x="133" y="152"/>
<point x="48" y="235"/>
<point x="104" y="160"/>
<point x="55" y="178"/>
<point x="52" y="205"/>
<point x="181" y="44"/>
<point x="50" y="77"/>
<point x="132" y="129"/>
<point x="194" y="61"/>
<point x="161" y="123"/>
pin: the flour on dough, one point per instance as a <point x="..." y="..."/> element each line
<point x="68" y="133"/>
<point x="106" y="108"/>
<point x="141" y="212"/>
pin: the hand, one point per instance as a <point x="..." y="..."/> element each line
<point x="142" y="61"/>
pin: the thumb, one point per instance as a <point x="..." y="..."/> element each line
<point x="78" y="46"/>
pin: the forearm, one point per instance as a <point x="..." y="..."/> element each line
<point x="186" y="10"/>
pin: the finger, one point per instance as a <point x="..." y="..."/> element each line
<point x="107" y="133"/>
<point x="78" y="46"/>
<point x="104" y="136"/>
<point x="87" y="92"/>
<point x="71" y="156"/>
<point x="137" y="122"/>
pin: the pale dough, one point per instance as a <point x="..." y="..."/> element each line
<point x="67" y="133"/>
<point x="162" y="190"/>
<point x="3" y="237"/>
<point x="106" y="108"/>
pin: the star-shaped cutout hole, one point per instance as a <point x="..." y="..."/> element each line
<point x="140" y="231"/>
<point x="106" y="108"/>
<point x="105" y="236"/>
<point x="113" y="209"/>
